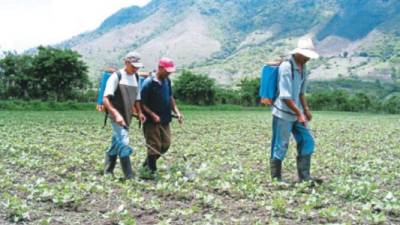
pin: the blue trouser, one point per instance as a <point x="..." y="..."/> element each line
<point x="281" y="130"/>
<point x="119" y="142"/>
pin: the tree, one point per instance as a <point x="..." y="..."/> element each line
<point x="249" y="88"/>
<point x="392" y="105"/>
<point x="360" y="102"/>
<point x="228" y="96"/>
<point x="195" y="89"/>
<point x="330" y="100"/>
<point x="16" y="76"/>
<point x="60" y="72"/>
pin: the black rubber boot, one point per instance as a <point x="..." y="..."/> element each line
<point x="109" y="164"/>
<point x="152" y="163"/>
<point x="126" y="167"/>
<point x="149" y="168"/>
<point x="303" y="170"/>
<point x="276" y="169"/>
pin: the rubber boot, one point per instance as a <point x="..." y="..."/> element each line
<point x="109" y="164"/>
<point x="126" y="167"/>
<point x="276" y="169"/>
<point x="152" y="163"/>
<point x="303" y="170"/>
<point x="149" y="168"/>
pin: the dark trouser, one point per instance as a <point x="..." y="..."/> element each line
<point x="158" y="139"/>
<point x="158" y="136"/>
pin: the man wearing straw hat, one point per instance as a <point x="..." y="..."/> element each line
<point x="291" y="113"/>
<point x="158" y="104"/>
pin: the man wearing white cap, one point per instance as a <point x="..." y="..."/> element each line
<point x="121" y="99"/>
<point x="291" y="113"/>
<point x="158" y="104"/>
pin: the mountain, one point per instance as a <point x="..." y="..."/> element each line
<point x="229" y="40"/>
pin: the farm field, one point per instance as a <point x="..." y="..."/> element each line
<point x="216" y="172"/>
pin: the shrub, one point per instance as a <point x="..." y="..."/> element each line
<point x="195" y="89"/>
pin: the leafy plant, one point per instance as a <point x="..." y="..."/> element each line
<point x="16" y="208"/>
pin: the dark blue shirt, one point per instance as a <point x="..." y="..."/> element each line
<point x="156" y="95"/>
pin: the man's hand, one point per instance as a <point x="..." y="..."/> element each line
<point x="120" y="120"/>
<point x="292" y="105"/>
<point x="142" y="118"/>
<point x="308" y="114"/>
<point x="180" y="118"/>
<point x="156" y="118"/>
<point x="100" y="108"/>
<point x="301" y="118"/>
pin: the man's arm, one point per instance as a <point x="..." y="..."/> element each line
<point x="137" y="107"/>
<point x="176" y="110"/>
<point x="304" y="103"/>
<point x="303" y="100"/>
<point x="114" y="112"/>
<point x="292" y="105"/>
<point x="153" y="115"/>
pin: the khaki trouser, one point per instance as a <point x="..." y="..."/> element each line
<point x="158" y="136"/>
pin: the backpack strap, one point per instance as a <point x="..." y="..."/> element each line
<point x="276" y="107"/>
<point x="137" y="78"/>
<point x="106" y="113"/>
<point x="119" y="75"/>
<point x="291" y="68"/>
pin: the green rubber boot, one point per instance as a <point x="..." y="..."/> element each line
<point x="109" y="164"/>
<point x="126" y="167"/>
<point x="276" y="169"/>
<point x="303" y="170"/>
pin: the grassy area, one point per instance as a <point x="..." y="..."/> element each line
<point x="36" y="105"/>
<point x="19" y="105"/>
<point x="216" y="172"/>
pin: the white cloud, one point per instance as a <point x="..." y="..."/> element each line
<point x="27" y="23"/>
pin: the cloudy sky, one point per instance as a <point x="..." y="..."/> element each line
<point x="27" y="23"/>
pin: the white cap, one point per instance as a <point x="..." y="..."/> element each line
<point x="134" y="59"/>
